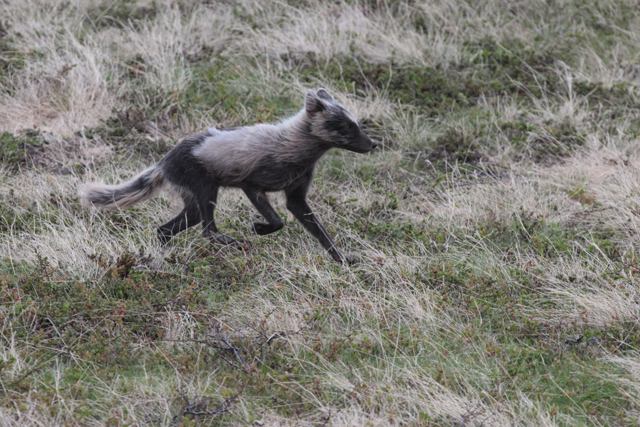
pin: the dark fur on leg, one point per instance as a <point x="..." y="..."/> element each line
<point x="297" y="204"/>
<point x="207" y="197"/>
<point x="260" y="201"/>
<point x="188" y="217"/>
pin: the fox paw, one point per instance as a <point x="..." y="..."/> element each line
<point x="226" y="240"/>
<point x="346" y="259"/>
<point x="351" y="259"/>
<point x="163" y="238"/>
<point x="263" y="228"/>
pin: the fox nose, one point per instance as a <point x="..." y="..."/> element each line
<point x="373" y="145"/>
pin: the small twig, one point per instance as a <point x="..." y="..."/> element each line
<point x="229" y="362"/>
<point x="235" y="350"/>
<point x="279" y="335"/>
<point x="200" y="409"/>
<point x="222" y="342"/>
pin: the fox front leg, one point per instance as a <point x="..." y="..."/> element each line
<point x="297" y="204"/>
<point x="260" y="201"/>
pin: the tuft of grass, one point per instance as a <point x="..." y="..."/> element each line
<point x="16" y="151"/>
<point x="497" y="223"/>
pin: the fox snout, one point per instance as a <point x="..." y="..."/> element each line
<point x="366" y="144"/>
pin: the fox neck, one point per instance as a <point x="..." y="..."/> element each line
<point x="299" y="144"/>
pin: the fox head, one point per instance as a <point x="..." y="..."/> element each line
<point x="333" y="124"/>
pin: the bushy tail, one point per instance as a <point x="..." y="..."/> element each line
<point x="142" y="187"/>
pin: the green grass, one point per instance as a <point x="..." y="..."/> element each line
<point x="496" y="224"/>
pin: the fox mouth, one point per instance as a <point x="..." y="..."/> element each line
<point x="370" y="147"/>
<point x="365" y="149"/>
<point x="367" y="144"/>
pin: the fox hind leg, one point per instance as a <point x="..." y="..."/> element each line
<point x="188" y="217"/>
<point x="207" y="199"/>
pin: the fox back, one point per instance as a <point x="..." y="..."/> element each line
<point x="273" y="155"/>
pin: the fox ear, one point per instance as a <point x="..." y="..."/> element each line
<point x="313" y="104"/>
<point x="322" y="93"/>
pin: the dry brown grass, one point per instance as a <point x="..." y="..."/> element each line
<point x="517" y="252"/>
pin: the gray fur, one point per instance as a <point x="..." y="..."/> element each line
<point x="257" y="159"/>
<point x="144" y="186"/>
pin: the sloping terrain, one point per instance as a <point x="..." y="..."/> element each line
<point x="497" y="223"/>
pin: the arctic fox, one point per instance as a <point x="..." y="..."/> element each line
<point x="257" y="159"/>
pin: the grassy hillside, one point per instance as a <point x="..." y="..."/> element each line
<point x="497" y="223"/>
